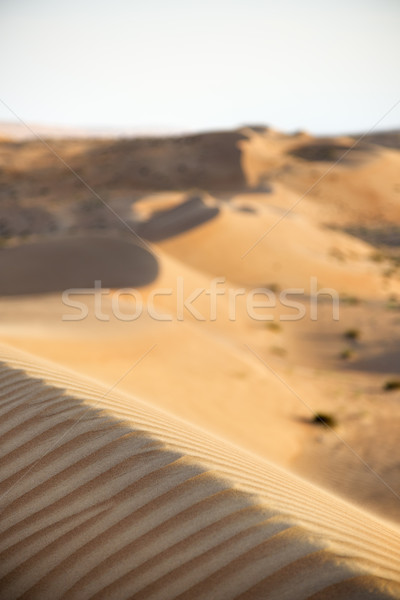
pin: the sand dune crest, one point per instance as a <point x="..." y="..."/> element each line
<point x="102" y="496"/>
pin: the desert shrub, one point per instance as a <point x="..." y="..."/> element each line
<point x="346" y="354"/>
<point x="324" y="419"/>
<point x="391" y="384"/>
<point x="352" y="334"/>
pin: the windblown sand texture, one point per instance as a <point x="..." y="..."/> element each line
<point x="104" y="496"/>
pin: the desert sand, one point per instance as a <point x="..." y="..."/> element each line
<point x="177" y="455"/>
<point x="104" y="496"/>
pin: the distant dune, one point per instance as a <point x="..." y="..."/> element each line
<point x="390" y="139"/>
<point x="104" y="496"/>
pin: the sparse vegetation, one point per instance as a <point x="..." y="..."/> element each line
<point x="391" y="385"/>
<point x="352" y="334"/>
<point x="324" y="419"/>
<point x="346" y="354"/>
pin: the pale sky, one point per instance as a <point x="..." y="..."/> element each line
<point x="181" y="65"/>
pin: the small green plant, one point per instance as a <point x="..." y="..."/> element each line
<point x="391" y="385"/>
<point x="273" y="326"/>
<point x="346" y="354"/>
<point x="352" y="334"/>
<point x="324" y="419"/>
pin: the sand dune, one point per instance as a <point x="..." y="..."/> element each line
<point x="103" y="496"/>
<point x="360" y="191"/>
<point x="205" y="373"/>
<point x="235" y="244"/>
<point x="154" y="492"/>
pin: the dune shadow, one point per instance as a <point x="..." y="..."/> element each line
<point x="330" y="151"/>
<point x="74" y="262"/>
<point x="388" y="139"/>
<point x="377" y="235"/>
<point x="187" y="215"/>
<point x="386" y="362"/>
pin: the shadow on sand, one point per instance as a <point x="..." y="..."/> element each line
<point x="187" y="215"/>
<point x="75" y="262"/>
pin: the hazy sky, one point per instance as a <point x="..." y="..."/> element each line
<point x="184" y="65"/>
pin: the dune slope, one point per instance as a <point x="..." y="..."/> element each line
<point x="103" y="496"/>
